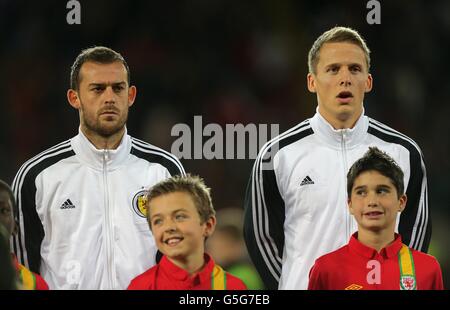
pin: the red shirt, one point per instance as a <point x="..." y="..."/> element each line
<point x="28" y="279"/>
<point x="167" y="276"/>
<point x="349" y="266"/>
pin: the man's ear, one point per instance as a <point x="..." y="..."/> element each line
<point x="369" y="83"/>
<point x="402" y="202"/>
<point x="72" y="97"/>
<point x="132" y="91"/>
<point x="210" y="226"/>
<point x="310" y="80"/>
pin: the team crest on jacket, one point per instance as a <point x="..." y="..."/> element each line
<point x="407" y="283"/>
<point x="139" y="203"/>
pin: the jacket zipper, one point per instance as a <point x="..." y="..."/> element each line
<point x="348" y="221"/>
<point x="108" y="230"/>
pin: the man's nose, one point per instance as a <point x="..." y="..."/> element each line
<point x="109" y="95"/>
<point x="345" y="78"/>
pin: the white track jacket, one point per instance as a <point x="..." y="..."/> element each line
<point x="82" y="219"/>
<point x="296" y="203"/>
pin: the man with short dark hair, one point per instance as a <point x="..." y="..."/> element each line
<point x="82" y="221"/>
<point x="296" y="205"/>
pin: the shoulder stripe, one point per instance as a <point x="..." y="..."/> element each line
<point x="150" y="147"/>
<point x="27" y="173"/>
<point x="158" y="156"/>
<point x="287" y="133"/>
<point x="388" y="130"/>
<point x="38" y="156"/>
<point x="266" y="244"/>
<point x="422" y="228"/>
<point x="29" y="163"/>
<point x="416" y="158"/>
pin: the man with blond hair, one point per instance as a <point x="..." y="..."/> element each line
<point x="295" y="205"/>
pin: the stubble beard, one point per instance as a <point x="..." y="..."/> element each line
<point x="104" y="128"/>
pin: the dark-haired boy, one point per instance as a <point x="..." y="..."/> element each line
<point x="375" y="258"/>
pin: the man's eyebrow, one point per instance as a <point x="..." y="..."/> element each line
<point x="355" y="65"/>
<point x="123" y="83"/>
<point x="338" y="64"/>
<point x="119" y="83"/>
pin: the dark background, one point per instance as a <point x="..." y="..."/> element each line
<point x="230" y="62"/>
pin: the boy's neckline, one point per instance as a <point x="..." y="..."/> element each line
<point x="374" y="240"/>
<point x="187" y="270"/>
<point x="389" y="251"/>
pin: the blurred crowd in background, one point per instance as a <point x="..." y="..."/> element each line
<point x="230" y="62"/>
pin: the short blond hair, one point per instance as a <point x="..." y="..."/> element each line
<point x="335" y="35"/>
<point x="190" y="184"/>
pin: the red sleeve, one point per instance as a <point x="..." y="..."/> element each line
<point x="133" y="285"/>
<point x="438" y="283"/>
<point x="41" y="285"/>
<point x="138" y="283"/>
<point x="144" y="281"/>
<point x="428" y="271"/>
<point x="234" y="283"/>
<point x="314" y="278"/>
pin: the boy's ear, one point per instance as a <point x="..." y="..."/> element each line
<point x="350" y="208"/>
<point x="210" y="226"/>
<point x="402" y="202"/>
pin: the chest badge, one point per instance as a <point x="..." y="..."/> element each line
<point x="407" y="283"/>
<point x="140" y="203"/>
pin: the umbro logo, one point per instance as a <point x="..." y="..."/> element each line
<point x="353" y="287"/>
<point x="306" y="181"/>
<point x="67" y="205"/>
